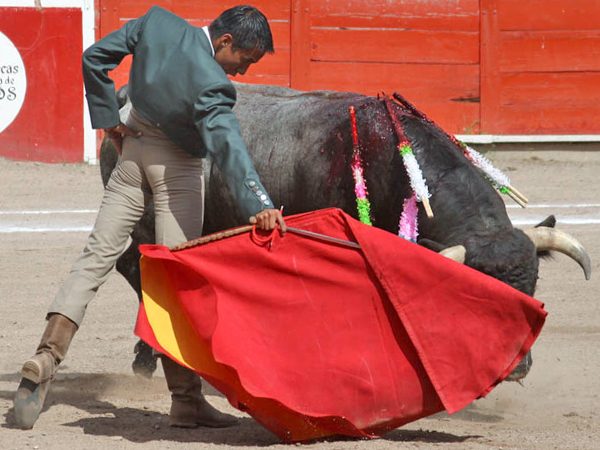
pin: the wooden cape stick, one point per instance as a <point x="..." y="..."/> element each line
<point x="212" y="237"/>
<point x="240" y="230"/>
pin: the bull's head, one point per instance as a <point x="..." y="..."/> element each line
<point x="513" y="257"/>
<point x="518" y="269"/>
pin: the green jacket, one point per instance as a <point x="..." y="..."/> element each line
<point x="175" y="84"/>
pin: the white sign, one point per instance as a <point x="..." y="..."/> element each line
<point x="13" y="82"/>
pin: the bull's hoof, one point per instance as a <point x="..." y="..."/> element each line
<point x="522" y="368"/>
<point x="144" y="363"/>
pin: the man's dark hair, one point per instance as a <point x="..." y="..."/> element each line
<point x="247" y="25"/>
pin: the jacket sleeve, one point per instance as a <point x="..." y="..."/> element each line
<point x="97" y="61"/>
<point x="220" y="131"/>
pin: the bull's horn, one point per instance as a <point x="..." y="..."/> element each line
<point x="545" y="238"/>
<point x="456" y="252"/>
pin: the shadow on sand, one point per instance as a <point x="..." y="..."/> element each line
<point x="88" y="392"/>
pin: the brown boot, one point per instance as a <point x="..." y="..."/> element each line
<point x="39" y="371"/>
<point x="189" y="408"/>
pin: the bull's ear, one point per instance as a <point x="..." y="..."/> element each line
<point x="549" y="222"/>
<point x="431" y="245"/>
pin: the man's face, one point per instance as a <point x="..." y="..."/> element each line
<point x="237" y="61"/>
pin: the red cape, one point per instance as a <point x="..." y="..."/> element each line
<point x="315" y="339"/>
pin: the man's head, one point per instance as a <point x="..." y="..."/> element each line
<point x="241" y="36"/>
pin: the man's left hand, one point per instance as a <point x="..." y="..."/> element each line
<point x="268" y="219"/>
<point x="116" y="134"/>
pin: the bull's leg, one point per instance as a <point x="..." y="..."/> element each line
<point x="144" y="363"/>
<point x="522" y="368"/>
<point x="128" y="265"/>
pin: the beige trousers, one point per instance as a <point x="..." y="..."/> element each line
<point x="150" y="167"/>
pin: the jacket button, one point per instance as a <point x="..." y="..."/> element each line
<point x="259" y="192"/>
<point x="263" y="197"/>
<point x="252" y="184"/>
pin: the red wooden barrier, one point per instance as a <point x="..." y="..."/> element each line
<point x="548" y="68"/>
<point x="474" y="66"/>
<point x="489" y="66"/>
<point x="49" y="126"/>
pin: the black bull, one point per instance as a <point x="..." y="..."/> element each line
<point x="302" y="147"/>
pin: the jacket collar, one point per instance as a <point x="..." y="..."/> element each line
<point x="207" y="32"/>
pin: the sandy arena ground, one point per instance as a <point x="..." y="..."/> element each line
<point x="97" y="403"/>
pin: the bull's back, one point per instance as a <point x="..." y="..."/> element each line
<point x="288" y="134"/>
<point x="301" y="144"/>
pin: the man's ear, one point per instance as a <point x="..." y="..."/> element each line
<point x="223" y="41"/>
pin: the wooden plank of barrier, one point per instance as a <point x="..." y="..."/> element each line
<point x="489" y="70"/>
<point x="548" y="14"/>
<point x="300" y="42"/>
<point x="550" y="51"/>
<point x="395" y="45"/>
<point x="458" y="15"/>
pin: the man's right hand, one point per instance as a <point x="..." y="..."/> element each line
<point x="116" y="134"/>
<point x="268" y="219"/>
